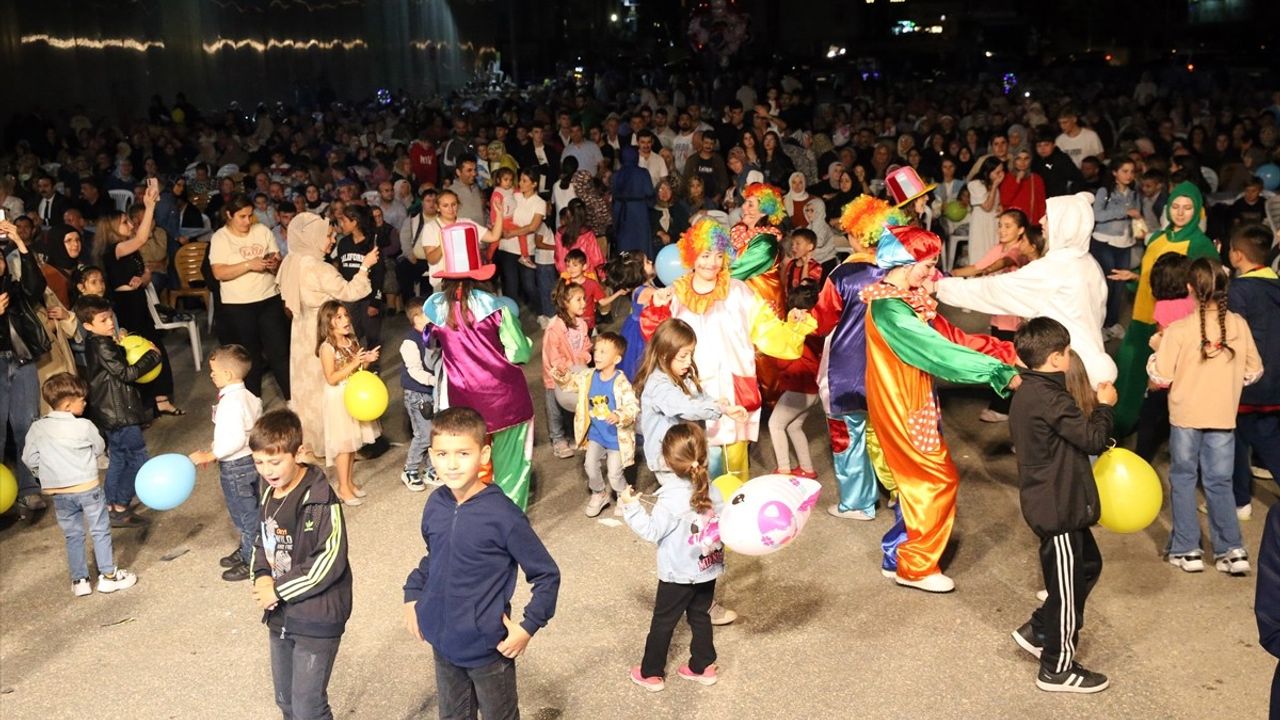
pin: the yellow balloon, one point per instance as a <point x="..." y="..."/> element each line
<point x="727" y="484"/>
<point x="8" y="488"/>
<point x="365" y="396"/>
<point x="135" y="346"/>
<point x="1129" y="491"/>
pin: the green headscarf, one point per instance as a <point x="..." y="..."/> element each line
<point x="1192" y="230"/>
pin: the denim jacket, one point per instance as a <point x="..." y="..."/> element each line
<point x="689" y="548"/>
<point x="1111" y="222"/>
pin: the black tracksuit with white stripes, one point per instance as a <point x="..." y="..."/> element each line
<point x="1059" y="500"/>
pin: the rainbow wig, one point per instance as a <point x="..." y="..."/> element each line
<point x="866" y="218"/>
<point x="705" y="234"/>
<point x="770" y="200"/>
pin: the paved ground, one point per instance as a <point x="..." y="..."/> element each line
<point x="821" y="633"/>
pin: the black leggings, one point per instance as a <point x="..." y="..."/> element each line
<point x="673" y="601"/>
<point x="263" y="329"/>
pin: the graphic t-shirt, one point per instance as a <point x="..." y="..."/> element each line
<point x="280" y="518"/>
<point x="600" y="402"/>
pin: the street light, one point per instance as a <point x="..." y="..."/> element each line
<point x="613" y="17"/>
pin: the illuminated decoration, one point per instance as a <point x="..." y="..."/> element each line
<point x="136" y="45"/>
<point x="1010" y="81"/>
<point x="80" y="43"/>
<point x="273" y="44"/>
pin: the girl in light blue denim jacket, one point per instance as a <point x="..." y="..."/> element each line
<point x="1115" y="206"/>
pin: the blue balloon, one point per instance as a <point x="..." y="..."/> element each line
<point x="511" y="305"/>
<point x="668" y="265"/>
<point x="1270" y="174"/>
<point x="166" y="481"/>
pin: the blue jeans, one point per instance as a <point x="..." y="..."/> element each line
<point x="1255" y="433"/>
<point x="1213" y="453"/>
<point x="548" y="276"/>
<point x="1111" y="258"/>
<point x="240" y="489"/>
<point x="555" y="418"/>
<point x="19" y="407"/>
<point x="489" y="689"/>
<point x="72" y="510"/>
<point x="128" y="451"/>
<point x="418" y="460"/>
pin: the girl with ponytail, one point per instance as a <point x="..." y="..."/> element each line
<point x="1205" y="359"/>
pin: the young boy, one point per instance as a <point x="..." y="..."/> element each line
<point x="1059" y="499"/>
<point x="115" y="404"/>
<point x="62" y="450"/>
<point x="604" y="421"/>
<point x="417" y="378"/>
<point x="1251" y="208"/>
<point x="575" y="271"/>
<point x="300" y="575"/>
<point x="458" y="599"/>
<point x="801" y="266"/>
<point x="233" y="417"/>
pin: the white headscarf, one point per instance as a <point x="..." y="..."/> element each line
<point x="794" y="197"/>
<point x="308" y="238"/>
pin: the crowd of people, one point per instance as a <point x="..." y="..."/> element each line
<point x="813" y="233"/>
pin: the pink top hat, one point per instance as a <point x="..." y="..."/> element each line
<point x="905" y="185"/>
<point x="462" y="256"/>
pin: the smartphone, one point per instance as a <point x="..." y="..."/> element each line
<point x="4" y="215"/>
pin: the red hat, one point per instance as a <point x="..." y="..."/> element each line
<point x="906" y="245"/>
<point x="462" y="256"/>
<point x="905" y="185"/>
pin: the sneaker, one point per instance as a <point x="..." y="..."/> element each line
<point x="886" y="572"/>
<point x="237" y="572"/>
<point x="1074" y="680"/>
<point x="121" y="580"/>
<point x="652" y="684"/>
<point x="935" y="583"/>
<point x="126" y="519"/>
<point x="34" y="502"/>
<point x="412" y="481"/>
<point x="721" y="615"/>
<point x="1235" y="562"/>
<point x="231" y="559"/>
<point x="528" y="262"/>
<point x="430" y="478"/>
<point x="835" y="511"/>
<point x="1028" y="640"/>
<point x="1192" y="562"/>
<point x="81" y="587"/>
<point x="562" y="450"/>
<point x="596" y="503"/>
<point x="1244" y="512"/>
<point x="1042" y="595"/>
<point x="706" y="677"/>
<point x="991" y="416"/>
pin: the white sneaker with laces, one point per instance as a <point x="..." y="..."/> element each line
<point x="1235" y="562"/>
<point x="721" y="615"/>
<point x="81" y="587"/>
<point x="123" y="580"/>
<point x="992" y="416"/>
<point x="1191" y="562"/>
<point x="935" y="583"/>
<point x="835" y="511"/>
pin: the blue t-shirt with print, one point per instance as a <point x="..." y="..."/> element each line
<point x="600" y="402"/>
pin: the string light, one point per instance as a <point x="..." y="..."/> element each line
<point x="136" y="45"/>
<point x="93" y="43"/>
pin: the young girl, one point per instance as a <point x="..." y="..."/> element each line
<point x="798" y="381"/>
<point x="1170" y="278"/>
<point x="1205" y="360"/>
<point x="576" y="234"/>
<point x="984" y="206"/>
<point x="340" y="356"/>
<point x="566" y="347"/>
<point x="632" y="272"/>
<point x="1115" y="206"/>
<point x="690" y="557"/>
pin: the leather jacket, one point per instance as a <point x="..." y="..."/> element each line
<point x="26" y="334"/>
<point x="114" y="400"/>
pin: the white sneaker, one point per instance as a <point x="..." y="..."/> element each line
<point x="596" y="503"/>
<point x="1244" y="512"/>
<point x="935" y="583"/>
<point x="992" y="416"/>
<point x="1042" y="595"/>
<point x="886" y="572"/>
<point x="835" y="511"/>
<point x="412" y="481"/>
<point x="81" y="587"/>
<point x="1235" y="562"/>
<point x="721" y="615"/>
<point x="1191" y="562"/>
<point x="123" y="580"/>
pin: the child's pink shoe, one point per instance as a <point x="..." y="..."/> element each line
<point x="653" y="684"/>
<point x="802" y="473"/>
<point x="707" y="677"/>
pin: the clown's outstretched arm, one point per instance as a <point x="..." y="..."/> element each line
<point x="1014" y="293"/>
<point x="782" y="339"/>
<point x="921" y="347"/>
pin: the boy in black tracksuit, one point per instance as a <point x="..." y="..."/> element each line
<point x="1059" y="498"/>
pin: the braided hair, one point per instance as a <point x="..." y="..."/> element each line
<point x="1209" y="283"/>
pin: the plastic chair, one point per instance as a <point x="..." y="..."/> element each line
<point x="192" y="331"/>
<point x="187" y="264"/>
<point x="122" y="198"/>
<point x="370" y="197"/>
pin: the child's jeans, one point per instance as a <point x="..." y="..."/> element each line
<point x="300" y="669"/>
<point x="1213" y="453"/>
<point x="417" y="459"/>
<point x="673" y="601"/>
<point x="613" y="459"/>
<point x="489" y="689"/>
<point x="72" y="510"/>
<point x="240" y="489"/>
<point x="547" y="277"/>
<point x="128" y="451"/>
<point x="555" y="418"/>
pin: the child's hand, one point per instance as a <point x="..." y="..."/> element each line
<point x="628" y="496"/>
<point x="368" y="356"/>
<point x="1122" y="275"/>
<point x="1154" y="342"/>
<point x="796" y="315"/>
<point x="613" y="418"/>
<point x="1015" y="383"/>
<point x="264" y="593"/>
<point x="411" y="620"/>
<point x="1107" y="394"/>
<point x="662" y="298"/>
<point x="202" y="457"/>
<point x="517" y="639"/>
<point x="737" y="413"/>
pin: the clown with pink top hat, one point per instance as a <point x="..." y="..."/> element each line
<point x="908" y="193"/>
<point x="481" y="344"/>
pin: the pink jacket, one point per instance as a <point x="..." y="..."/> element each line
<point x="586" y="243"/>
<point x="564" y="351"/>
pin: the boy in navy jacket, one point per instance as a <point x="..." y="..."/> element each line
<point x="458" y="599"/>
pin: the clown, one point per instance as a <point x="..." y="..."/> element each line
<point x="907" y="344"/>
<point x="731" y="323"/>
<point x="757" y="243"/>
<point x="842" y="372"/>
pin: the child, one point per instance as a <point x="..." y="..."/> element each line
<point x="115" y="404"/>
<point x="604" y="420"/>
<point x="1205" y="360"/>
<point x="87" y="280"/>
<point x="472" y="635"/>
<point x="575" y="272"/>
<point x="1250" y="209"/>
<point x="632" y="272"/>
<point x="566" y="348"/>
<point x="1169" y="278"/>
<point x="62" y="450"/>
<point x="1255" y="296"/>
<point x="340" y="356"/>
<point x="575" y="234"/>
<point x="300" y="575"/>
<point x="262" y="210"/>
<point x="690" y="558"/>
<point x="1059" y="498"/>
<point x="798" y="381"/>
<point x="233" y="418"/>
<point x="801" y="266"/>
<point x="418" y="379"/>
<point x="502" y="207"/>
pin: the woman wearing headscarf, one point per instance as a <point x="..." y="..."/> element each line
<point x="824" y="249"/>
<point x="632" y="200"/>
<point x="307" y="281"/>
<point x="670" y="216"/>
<point x="796" y="199"/>
<point x="63" y="247"/>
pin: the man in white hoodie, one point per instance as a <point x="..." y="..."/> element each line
<point x="1066" y="284"/>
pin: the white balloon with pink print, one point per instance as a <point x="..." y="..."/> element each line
<point x="767" y="513"/>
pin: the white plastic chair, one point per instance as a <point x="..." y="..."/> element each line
<point x="192" y="331"/>
<point x="122" y="198"/>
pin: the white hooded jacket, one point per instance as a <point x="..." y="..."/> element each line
<point x="1066" y="284"/>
